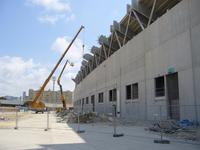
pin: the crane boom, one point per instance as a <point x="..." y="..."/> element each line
<point x="35" y="103"/>
<point x="61" y="89"/>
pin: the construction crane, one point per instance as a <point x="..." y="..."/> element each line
<point x="60" y="85"/>
<point x="36" y="104"/>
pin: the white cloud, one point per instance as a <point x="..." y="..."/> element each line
<point x="51" y="5"/>
<point x="18" y="75"/>
<point x="53" y="10"/>
<point x="70" y="18"/>
<point x="75" y="52"/>
<point x="50" y="19"/>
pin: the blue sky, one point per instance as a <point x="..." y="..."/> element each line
<point x="34" y="33"/>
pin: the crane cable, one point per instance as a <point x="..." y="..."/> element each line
<point x="83" y="45"/>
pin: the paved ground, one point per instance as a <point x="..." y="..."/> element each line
<point x="31" y="135"/>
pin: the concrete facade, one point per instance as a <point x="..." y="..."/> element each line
<point x="171" y="42"/>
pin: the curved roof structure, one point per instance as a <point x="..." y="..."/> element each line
<point x="139" y="15"/>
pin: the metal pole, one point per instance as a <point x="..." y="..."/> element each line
<point x="47" y="121"/>
<point x="78" y="123"/>
<point x="161" y="140"/>
<point x="115" y="123"/>
<point x="16" y="120"/>
<point x="114" y="119"/>
<point x="161" y="129"/>
<point x="160" y="112"/>
<point x="54" y="100"/>
<point x="78" y="130"/>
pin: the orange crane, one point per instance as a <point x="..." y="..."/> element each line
<point x="58" y="81"/>
<point x="36" y="104"/>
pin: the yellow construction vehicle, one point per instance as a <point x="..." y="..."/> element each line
<point x="36" y="104"/>
<point x="60" y="85"/>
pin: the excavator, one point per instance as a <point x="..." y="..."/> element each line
<point x="60" y="85"/>
<point x="36" y="105"/>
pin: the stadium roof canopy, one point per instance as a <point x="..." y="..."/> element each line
<point x="139" y="15"/>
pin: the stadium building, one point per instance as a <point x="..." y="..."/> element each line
<point x="148" y="67"/>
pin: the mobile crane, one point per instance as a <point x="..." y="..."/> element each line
<point x="36" y="104"/>
<point x="60" y="85"/>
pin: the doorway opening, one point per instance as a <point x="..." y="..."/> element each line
<point x="173" y="96"/>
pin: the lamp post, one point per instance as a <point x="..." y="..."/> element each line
<point x="54" y="80"/>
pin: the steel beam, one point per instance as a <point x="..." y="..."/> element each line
<point x="118" y="41"/>
<point x="129" y="19"/>
<point x="138" y="19"/>
<point x="152" y="11"/>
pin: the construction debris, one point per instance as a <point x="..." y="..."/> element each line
<point x="90" y="117"/>
<point x="174" y="129"/>
<point x="168" y="126"/>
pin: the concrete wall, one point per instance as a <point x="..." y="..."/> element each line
<point x="195" y="46"/>
<point x="173" y="41"/>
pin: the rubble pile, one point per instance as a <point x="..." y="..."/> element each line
<point x="175" y="129"/>
<point x="168" y="126"/>
<point x="90" y="117"/>
<point x="62" y="113"/>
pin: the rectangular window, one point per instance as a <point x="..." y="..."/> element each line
<point x="160" y="86"/>
<point x="92" y="99"/>
<point x="132" y="91"/>
<point x="79" y="102"/>
<point x="83" y="101"/>
<point x="100" y="100"/>
<point x="113" y="95"/>
<point x="87" y="100"/>
<point x="110" y="95"/>
<point x="128" y="92"/>
<point x="135" y="91"/>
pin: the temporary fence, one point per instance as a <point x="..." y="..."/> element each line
<point x="18" y="117"/>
